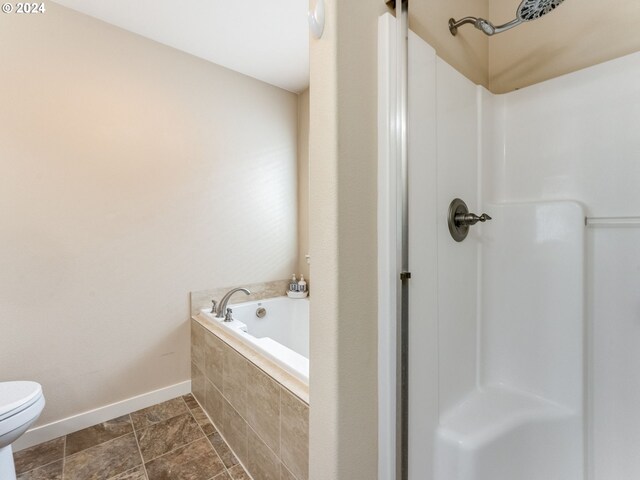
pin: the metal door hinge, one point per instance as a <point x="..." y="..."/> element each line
<point x="405" y="276"/>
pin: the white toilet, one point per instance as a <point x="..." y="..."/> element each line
<point x="20" y="405"/>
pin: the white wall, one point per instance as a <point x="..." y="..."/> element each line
<point x="576" y="137"/>
<point x="131" y="174"/>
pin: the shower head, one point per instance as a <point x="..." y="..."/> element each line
<point x="527" y="11"/>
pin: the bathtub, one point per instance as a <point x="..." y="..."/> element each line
<point x="281" y="334"/>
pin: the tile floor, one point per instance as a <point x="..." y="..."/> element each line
<point x="173" y="440"/>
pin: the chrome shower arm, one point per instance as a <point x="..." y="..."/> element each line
<point x="481" y="24"/>
<point x="527" y="11"/>
<point x="507" y="26"/>
<point x="454" y="24"/>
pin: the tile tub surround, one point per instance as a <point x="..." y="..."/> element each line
<point x="201" y="342"/>
<point x="259" y="291"/>
<point x="264" y="423"/>
<point x="172" y="440"/>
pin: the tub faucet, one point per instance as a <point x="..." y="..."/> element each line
<point x="222" y="306"/>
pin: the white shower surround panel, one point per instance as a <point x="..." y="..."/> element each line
<point x="576" y="137"/>
<point x="502" y="410"/>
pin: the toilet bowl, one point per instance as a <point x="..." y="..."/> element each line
<point x="20" y="405"/>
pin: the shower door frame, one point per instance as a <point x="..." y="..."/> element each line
<point x="393" y="240"/>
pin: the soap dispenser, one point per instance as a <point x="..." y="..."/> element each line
<point x="302" y="285"/>
<point x="293" y="284"/>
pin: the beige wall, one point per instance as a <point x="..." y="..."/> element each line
<point x="468" y="52"/>
<point x="303" y="183"/>
<point x="343" y="166"/>
<point x="577" y="35"/>
<point x="129" y="174"/>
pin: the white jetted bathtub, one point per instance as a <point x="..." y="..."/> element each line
<point x="278" y="328"/>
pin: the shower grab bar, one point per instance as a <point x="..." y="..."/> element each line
<point x="612" y="222"/>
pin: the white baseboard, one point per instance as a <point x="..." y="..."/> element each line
<point x="72" y="424"/>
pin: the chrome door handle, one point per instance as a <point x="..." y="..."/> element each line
<point x="460" y="219"/>
<point x="470" y="218"/>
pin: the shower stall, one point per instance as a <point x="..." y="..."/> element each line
<point x="522" y="336"/>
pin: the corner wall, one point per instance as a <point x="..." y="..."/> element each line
<point x="130" y="172"/>
<point x="468" y="52"/>
<point x="303" y="183"/>
<point x="576" y="35"/>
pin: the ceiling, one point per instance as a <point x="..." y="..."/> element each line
<point x="265" y="39"/>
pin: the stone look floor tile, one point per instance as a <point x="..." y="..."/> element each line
<point x="134" y="474"/>
<point x="203" y="421"/>
<point x="53" y="471"/>
<point x="97" y="434"/>
<point x="239" y="473"/>
<point x="39" y="455"/>
<point x="223" y="450"/>
<point x="103" y="461"/>
<point x="179" y="448"/>
<point x="190" y="400"/>
<point x="165" y="436"/>
<point x="196" y="461"/>
<point x="158" y="413"/>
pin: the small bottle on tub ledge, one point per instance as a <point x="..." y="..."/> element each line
<point x="297" y="289"/>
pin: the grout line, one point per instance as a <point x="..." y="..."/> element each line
<point x="42" y="466"/>
<point x="92" y="446"/>
<point x="264" y="443"/>
<point x="238" y="413"/>
<point x="135" y="436"/>
<point x="173" y="450"/>
<point x="206" y="379"/>
<point x="204" y="433"/>
<point x="160" y="421"/>
<point x="218" y="453"/>
<point x="176" y="448"/>
<point x="126" y="471"/>
<point x="222" y="436"/>
<point x="101" y="444"/>
<point x="64" y="455"/>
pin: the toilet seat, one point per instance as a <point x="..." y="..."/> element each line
<point x="17" y="396"/>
